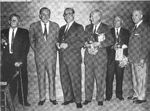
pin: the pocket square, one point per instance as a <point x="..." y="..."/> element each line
<point x="136" y="34"/>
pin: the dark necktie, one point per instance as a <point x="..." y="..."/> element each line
<point x="12" y="41"/>
<point x="135" y="27"/>
<point x="45" y="31"/>
<point x="94" y="32"/>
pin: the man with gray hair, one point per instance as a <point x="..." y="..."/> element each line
<point x="98" y="37"/>
<point x="138" y="56"/>
<point x="116" y="53"/>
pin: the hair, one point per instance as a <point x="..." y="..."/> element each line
<point x="73" y="11"/>
<point x="139" y="10"/>
<point x="96" y="11"/>
<point x="44" y="8"/>
<point x="122" y="22"/>
<point x="14" y="15"/>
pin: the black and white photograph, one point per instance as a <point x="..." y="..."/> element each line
<point x="75" y="55"/>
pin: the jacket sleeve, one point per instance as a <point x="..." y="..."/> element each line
<point x="108" y="39"/>
<point x="32" y="37"/>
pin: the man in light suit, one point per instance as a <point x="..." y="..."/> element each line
<point x="121" y="37"/>
<point x="43" y="36"/>
<point x="69" y="44"/>
<point x="98" y="37"/>
<point x="15" y="48"/>
<point x="138" y="56"/>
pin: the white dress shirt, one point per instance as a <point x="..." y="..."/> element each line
<point x="117" y="29"/>
<point x="96" y="26"/>
<point x="43" y="28"/>
<point x="10" y="38"/>
<point x="68" y="26"/>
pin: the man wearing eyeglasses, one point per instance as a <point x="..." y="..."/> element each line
<point x="69" y="44"/>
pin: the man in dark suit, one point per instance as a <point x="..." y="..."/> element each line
<point x="121" y="37"/>
<point x="139" y="50"/>
<point x="98" y="37"/>
<point x="43" y="36"/>
<point x="15" y="47"/>
<point x="69" y="44"/>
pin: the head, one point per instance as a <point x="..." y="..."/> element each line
<point x="137" y="16"/>
<point x="44" y="14"/>
<point x="118" y="21"/>
<point x="14" y="20"/>
<point x="96" y="16"/>
<point x="69" y="15"/>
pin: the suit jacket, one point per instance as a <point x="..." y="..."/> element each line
<point x="103" y="28"/>
<point x="42" y="48"/>
<point x="20" y="46"/>
<point x="139" y="43"/>
<point x="74" y="38"/>
<point x="123" y="38"/>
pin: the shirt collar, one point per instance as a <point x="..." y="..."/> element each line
<point x="44" y="23"/>
<point x="70" y="23"/>
<point x="138" y="23"/>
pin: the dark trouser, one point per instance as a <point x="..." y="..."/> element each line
<point x="70" y="75"/>
<point x="95" y="70"/>
<point x="113" y="68"/>
<point x="8" y="70"/>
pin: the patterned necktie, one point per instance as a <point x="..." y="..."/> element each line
<point x="12" y="41"/>
<point x="45" y="31"/>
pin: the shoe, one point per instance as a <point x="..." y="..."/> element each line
<point x="79" y="105"/>
<point x="120" y="98"/>
<point x="86" y="102"/>
<point x="100" y="103"/>
<point x="54" y="102"/>
<point x="139" y="101"/>
<point x="107" y="99"/>
<point x="132" y="98"/>
<point x="25" y="104"/>
<point x="67" y="102"/>
<point x="41" y="102"/>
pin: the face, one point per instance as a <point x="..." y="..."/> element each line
<point x="117" y="22"/>
<point x="68" y="15"/>
<point x="137" y="16"/>
<point x="45" y="15"/>
<point x="95" y="18"/>
<point x="14" y="22"/>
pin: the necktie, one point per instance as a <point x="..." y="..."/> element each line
<point x="67" y="27"/>
<point x="45" y="32"/>
<point x="12" y="40"/>
<point x="135" y="27"/>
<point x="94" y="31"/>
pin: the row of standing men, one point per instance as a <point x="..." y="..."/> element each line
<point x="101" y="44"/>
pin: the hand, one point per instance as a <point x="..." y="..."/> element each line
<point x="141" y="63"/>
<point x="87" y="45"/>
<point x="96" y="44"/>
<point x="18" y="64"/>
<point x="58" y="45"/>
<point x="63" y="45"/>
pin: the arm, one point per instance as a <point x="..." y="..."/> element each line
<point x="32" y="37"/>
<point x="109" y="41"/>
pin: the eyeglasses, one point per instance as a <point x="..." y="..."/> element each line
<point x="65" y="14"/>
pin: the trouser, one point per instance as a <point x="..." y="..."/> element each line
<point x="139" y="74"/>
<point x="8" y="70"/>
<point x="70" y="75"/>
<point x="114" y="69"/>
<point x="95" y="69"/>
<point x="47" y="65"/>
